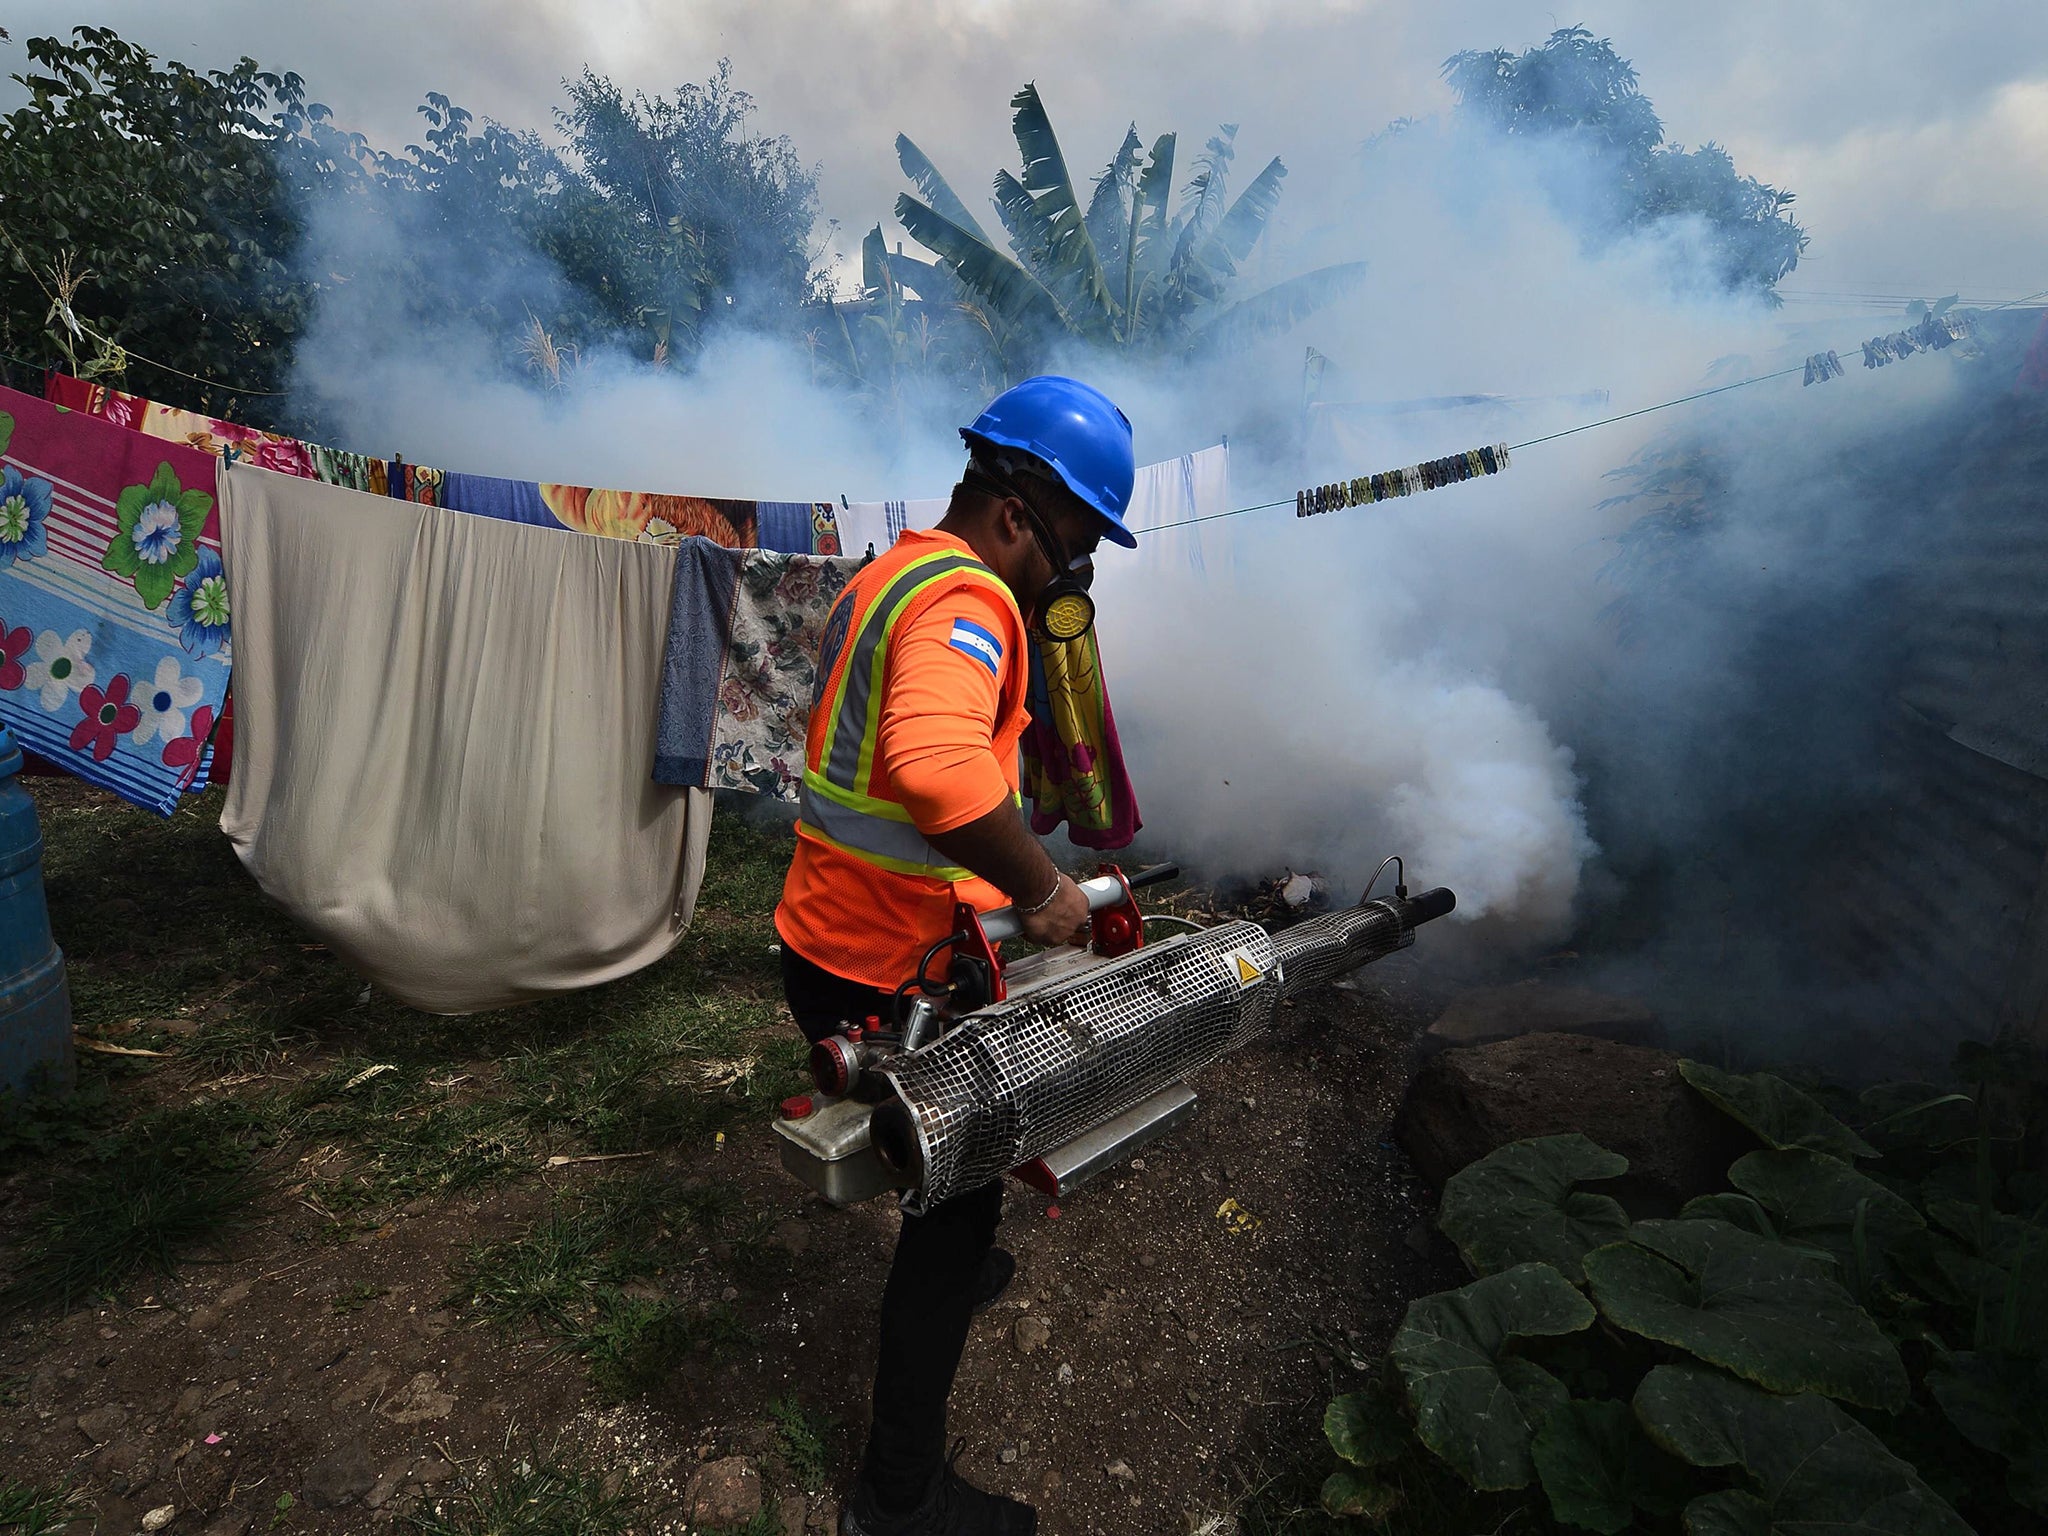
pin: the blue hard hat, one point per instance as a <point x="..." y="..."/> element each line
<point x="1078" y="432"/>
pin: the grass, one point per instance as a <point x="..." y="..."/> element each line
<point x="582" y="1274"/>
<point x="26" y="1510"/>
<point x="537" y="1496"/>
<point x="804" y="1442"/>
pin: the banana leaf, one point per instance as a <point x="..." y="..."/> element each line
<point x="1006" y="288"/>
<point x="937" y="193"/>
<point x="1211" y="266"/>
<point x="1279" y="309"/>
<point x="1202" y="202"/>
<point x="1109" y="204"/>
<point x="1073" y="268"/>
<point x="1145" y="255"/>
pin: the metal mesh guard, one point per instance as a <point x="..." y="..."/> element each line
<point x="1020" y="1079"/>
<point x="1338" y="943"/>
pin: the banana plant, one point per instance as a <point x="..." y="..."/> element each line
<point x="1127" y="271"/>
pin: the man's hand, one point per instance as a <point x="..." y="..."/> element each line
<point x="1062" y="920"/>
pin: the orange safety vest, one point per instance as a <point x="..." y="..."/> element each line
<point x="866" y="893"/>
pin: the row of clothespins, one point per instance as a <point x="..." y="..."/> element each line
<point x="1932" y="334"/>
<point x="1364" y="490"/>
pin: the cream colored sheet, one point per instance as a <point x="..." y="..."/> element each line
<point x="444" y="731"/>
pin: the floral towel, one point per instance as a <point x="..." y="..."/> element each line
<point x="267" y="450"/>
<point x="114" y="637"/>
<point x="741" y="666"/>
<point x="1073" y="762"/>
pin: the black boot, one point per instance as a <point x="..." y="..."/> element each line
<point x="953" y="1507"/>
<point x="996" y="1272"/>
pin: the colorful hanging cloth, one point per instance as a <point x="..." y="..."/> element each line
<point x="267" y="450"/>
<point x="1073" y="762"/>
<point x="114" y="633"/>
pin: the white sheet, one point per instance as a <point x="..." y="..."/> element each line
<point x="444" y="732"/>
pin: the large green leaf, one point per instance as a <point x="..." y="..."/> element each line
<point x="1475" y="1405"/>
<point x="1818" y="1201"/>
<point x="1779" y="1114"/>
<point x="1071" y="266"/>
<point x="1999" y="1403"/>
<point x="1146" y="253"/>
<point x="1736" y="1210"/>
<point x="1812" y="1468"/>
<point x="937" y="193"/>
<point x="1109" y="204"/>
<point x="1005" y="287"/>
<point x="1279" y="308"/>
<point x="1210" y="265"/>
<point x="1755" y="1307"/>
<point x="1597" y="1467"/>
<point x="1347" y="1491"/>
<point x="1518" y="1205"/>
<point x="1366" y="1429"/>
<point x="6" y="430"/>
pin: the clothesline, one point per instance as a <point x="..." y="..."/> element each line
<point x="1551" y="437"/>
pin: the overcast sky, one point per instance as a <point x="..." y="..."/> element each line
<point x="1916" y="138"/>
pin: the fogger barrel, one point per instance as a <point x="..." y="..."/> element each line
<point x="1023" y="1078"/>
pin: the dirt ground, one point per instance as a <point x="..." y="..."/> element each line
<point x="1163" y="1355"/>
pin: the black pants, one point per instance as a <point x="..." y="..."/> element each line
<point x="928" y="1302"/>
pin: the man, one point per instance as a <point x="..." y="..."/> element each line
<point x="910" y="802"/>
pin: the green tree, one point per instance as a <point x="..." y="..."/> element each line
<point x="1577" y="92"/>
<point x="1127" y="271"/>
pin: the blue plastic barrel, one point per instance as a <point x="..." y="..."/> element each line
<point x="35" y="1002"/>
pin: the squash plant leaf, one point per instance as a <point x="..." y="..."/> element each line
<point x="2000" y="1404"/>
<point x="1597" y="1467"/>
<point x="1817" y="1201"/>
<point x="1811" y="1467"/>
<point x="1476" y="1406"/>
<point x="1779" y="1114"/>
<point x="1754" y="1307"/>
<point x="1518" y="1205"/>
<point x="1366" y="1428"/>
<point x="1348" y="1491"/>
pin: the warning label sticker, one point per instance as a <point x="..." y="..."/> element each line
<point x="1248" y="972"/>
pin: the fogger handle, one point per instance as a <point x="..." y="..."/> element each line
<point x="1101" y="891"/>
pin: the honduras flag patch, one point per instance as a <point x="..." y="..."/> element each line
<point x="979" y="643"/>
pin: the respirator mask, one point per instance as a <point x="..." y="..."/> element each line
<point x="1063" y="610"/>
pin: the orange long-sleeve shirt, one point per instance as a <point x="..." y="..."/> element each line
<point x="952" y="713"/>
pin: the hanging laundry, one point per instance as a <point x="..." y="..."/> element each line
<point x="825" y="529"/>
<point x="1430" y="475"/>
<point x="337" y="466"/>
<point x="1073" y="763"/>
<point x="1823" y="366"/>
<point x="512" y="501"/>
<point x="287" y="455"/>
<point x="443" y="726"/>
<point x="1169" y="502"/>
<point x="740" y="671"/>
<point x="784" y="527"/>
<point x="114" y="632"/>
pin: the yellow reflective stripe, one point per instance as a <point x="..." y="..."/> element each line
<point x="865" y="768"/>
<point x="888" y="810"/>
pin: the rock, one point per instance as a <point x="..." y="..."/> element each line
<point x="1121" y="1471"/>
<point x="156" y="1519"/>
<point x="368" y="1386"/>
<point x="101" y="1424"/>
<point x="381" y="1491"/>
<point x="123" y="1456"/>
<point x="343" y="1475"/>
<point x="203" y="1317"/>
<point x="190" y="1401"/>
<point x="231" y="1523"/>
<point x="1630" y="1099"/>
<point x="1486" y="1014"/>
<point x="826" y="1516"/>
<point x="1031" y="1333"/>
<point x="791" y="1236"/>
<point x="1007" y="1455"/>
<point x="435" y="1471"/>
<point x="418" y="1401"/>
<point x="1064" y="1375"/>
<point x="792" y="1514"/>
<point x="723" y="1492"/>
